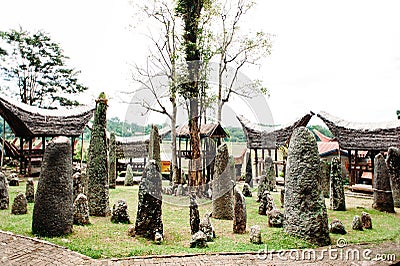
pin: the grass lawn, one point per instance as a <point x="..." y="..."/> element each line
<point x="103" y="239"/>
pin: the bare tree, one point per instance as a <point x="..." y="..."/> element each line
<point x="235" y="50"/>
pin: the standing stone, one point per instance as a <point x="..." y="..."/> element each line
<point x="14" y="180"/>
<point x="269" y="172"/>
<point x="246" y="190"/>
<point x="148" y="218"/>
<point x="207" y="228"/>
<point x="20" y="204"/>
<point x="81" y="210"/>
<point x="4" y="198"/>
<point x="30" y="191"/>
<point x="356" y="224"/>
<point x="337" y="198"/>
<point x="267" y="203"/>
<point x="119" y="213"/>
<point x="383" y="200"/>
<point x="305" y="210"/>
<point x="240" y="216"/>
<point x="222" y="196"/>
<point x="112" y="162"/>
<point x="393" y="164"/>
<point x="282" y="198"/>
<point x="78" y="186"/>
<point x="337" y="227"/>
<point x="249" y="170"/>
<point x="129" y="176"/>
<point x="198" y="240"/>
<point x="275" y="218"/>
<point x="325" y="178"/>
<point x="194" y="214"/>
<point x="154" y="146"/>
<point x="255" y="234"/>
<point x="97" y="170"/>
<point x="366" y="220"/>
<point x="53" y="211"/>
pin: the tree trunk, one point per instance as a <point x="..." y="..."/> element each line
<point x="195" y="180"/>
<point x="176" y="178"/>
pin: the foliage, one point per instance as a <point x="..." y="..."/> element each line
<point x="236" y="134"/>
<point x="34" y="69"/>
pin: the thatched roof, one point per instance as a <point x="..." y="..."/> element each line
<point x="363" y="136"/>
<point x="206" y="130"/>
<point x="264" y="137"/>
<point x="136" y="146"/>
<point x="30" y="121"/>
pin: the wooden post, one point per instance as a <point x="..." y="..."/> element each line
<point x="72" y="148"/>
<point x="81" y="162"/>
<point x="2" y="146"/>
<point x="256" y="161"/>
<point x="276" y="165"/>
<point x="21" y="155"/>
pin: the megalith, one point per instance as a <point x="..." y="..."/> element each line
<point x="249" y="170"/>
<point x="119" y="213"/>
<point x="30" y="191"/>
<point x="20" y="204"/>
<point x="240" y="215"/>
<point x="383" y="199"/>
<point x="97" y="170"/>
<point x="4" y="197"/>
<point x="81" y="210"/>
<point x="305" y="210"/>
<point x="337" y="198"/>
<point x="393" y="164"/>
<point x="148" y="218"/>
<point x="325" y="178"/>
<point x="53" y="209"/>
<point x="194" y="214"/>
<point x="222" y="186"/>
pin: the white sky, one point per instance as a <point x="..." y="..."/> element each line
<point x="339" y="56"/>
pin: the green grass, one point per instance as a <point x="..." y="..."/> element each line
<point x="103" y="239"/>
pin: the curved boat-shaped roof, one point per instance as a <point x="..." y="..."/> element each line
<point x="363" y="136"/>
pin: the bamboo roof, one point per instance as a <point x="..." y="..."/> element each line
<point x="206" y="130"/>
<point x="30" y="121"/>
<point x="363" y="136"/>
<point x="270" y="137"/>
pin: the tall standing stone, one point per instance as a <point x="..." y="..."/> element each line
<point x="240" y="218"/>
<point x="20" y="204"/>
<point x="53" y="210"/>
<point x="267" y="180"/>
<point x="249" y="170"/>
<point x="222" y="196"/>
<point x="154" y="146"/>
<point x="4" y="198"/>
<point x="30" y="191"/>
<point x="325" y="178"/>
<point x="97" y="170"/>
<point x="148" y="218"/>
<point x="337" y="198"/>
<point x="112" y="160"/>
<point x="305" y="210"/>
<point x="383" y="199"/>
<point x="393" y="164"/>
<point x="78" y="186"/>
<point x="194" y="214"/>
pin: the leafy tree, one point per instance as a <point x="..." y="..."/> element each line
<point x="36" y="65"/>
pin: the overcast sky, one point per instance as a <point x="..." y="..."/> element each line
<point x="339" y="56"/>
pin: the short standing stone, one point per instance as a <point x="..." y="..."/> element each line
<point x="337" y="227"/>
<point x="356" y="224"/>
<point x="194" y="214"/>
<point x="337" y="198"/>
<point x="366" y="220"/>
<point x="275" y="218"/>
<point x="81" y="210"/>
<point x="325" y="178"/>
<point x="119" y="213"/>
<point x="246" y="190"/>
<point x="131" y="231"/>
<point x="20" y="205"/>
<point x="30" y="191"/>
<point x="53" y="211"/>
<point x="249" y="170"/>
<point x="267" y="203"/>
<point x="222" y="196"/>
<point x="383" y="200"/>
<point x="12" y="176"/>
<point x="255" y="234"/>
<point x="305" y="210"/>
<point x="198" y="240"/>
<point x="14" y="180"/>
<point x="393" y="163"/>
<point x="179" y="191"/>
<point x="129" y="176"/>
<point x="148" y="218"/>
<point x="158" y="238"/>
<point x="78" y="186"/>
<point x="207" y="228"/>
<point x="4" y="198"/>
<point x="240" y="218"/>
